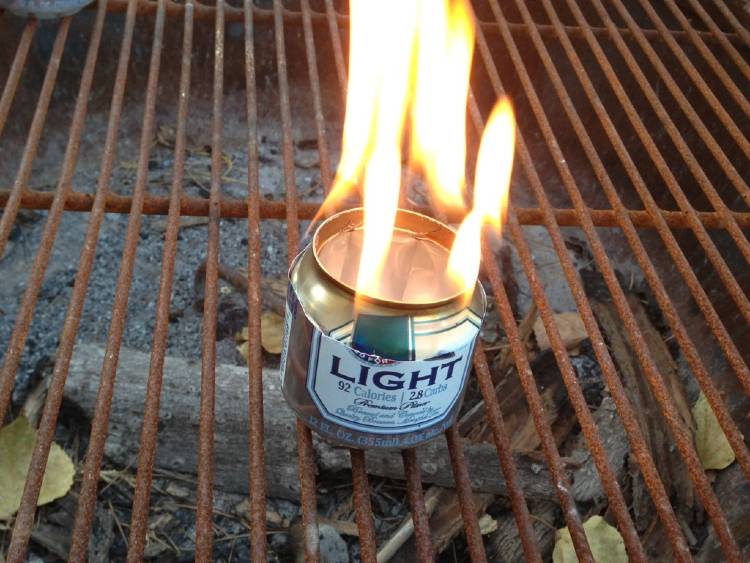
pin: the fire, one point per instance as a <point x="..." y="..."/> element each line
<point x="412" y="71"/>
<point x="491" y="189"/>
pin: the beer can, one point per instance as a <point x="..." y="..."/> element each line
<point x="368" y="372"/>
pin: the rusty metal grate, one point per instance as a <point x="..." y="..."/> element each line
<point x="646" y="103"/>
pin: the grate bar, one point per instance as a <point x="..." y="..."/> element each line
<point x="670" y="242"/>
<point x="465" y="497"/>
<point x="312" y="66"/>
<point x="716" y="66"/>
<point x="698" y="124"/>
<point x="420" y="518"/>
<point x="233" y="13"/>
<point x="679" y="433"/>
<point x="725" y="43"/>
<point x="304" y="435"/>
<point x="269" y="209"/>
<point x="505" y="453"/>
<point x="15" y="72"/>
<point x="363" y="506"/>
<point x="32" y="142"/>
<point x="25" y="517"/>
<point x="147" y="450"/>
<point x="338" y="52"/>
<point x="256" y="442"/>
<point x="658" y="288"/>
<point x="204" y="529"/>
<point x="254" y="208"/>
<point x="740" y="29"/>
<point x="100" y="421"/>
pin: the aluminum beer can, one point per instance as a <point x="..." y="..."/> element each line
<point x="375" y="373"/>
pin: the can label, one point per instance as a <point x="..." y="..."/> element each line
<point x="372" y="394"/>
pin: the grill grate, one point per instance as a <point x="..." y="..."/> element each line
<point x="665" y="144"/>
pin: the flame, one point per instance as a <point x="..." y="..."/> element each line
<point x="413" y="70"/>
<point x="491" y="189"/>
<point x="438" y="134"/>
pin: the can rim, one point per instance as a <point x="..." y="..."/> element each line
<point x="408" y="220"/>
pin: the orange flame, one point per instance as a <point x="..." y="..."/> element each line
<point x="414" y="69"/>
<point x="491" y="190"/>
<point x="438" y="135"/>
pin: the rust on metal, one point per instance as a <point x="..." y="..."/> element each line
<point x="504" y="454"/>
<point x="16" y="69"/>
<point x="35" y="131"/>
<point x="417" y="505"/>
<point x="204" y="528"/>
<point x="275" y="209"/>
<point x="256" y="443"/>
<point x="25" y="517"/>
<point x="704" y="61"/>
<point x="100" y="421"/>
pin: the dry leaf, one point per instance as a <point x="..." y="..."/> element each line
<point x="713" y="447"/>
<point x="271" y="332"/>
<point x="606" y="543"/>
<point x="487" y="524"/>
<point x="16" y="446"/>
<point x="570" y="327"/>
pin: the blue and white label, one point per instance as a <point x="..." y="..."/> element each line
<point x="371" y="394"/>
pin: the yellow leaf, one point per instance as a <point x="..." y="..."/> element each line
<point x="569" y="325"/>
<point x="606" y="543"/>
<point x="243" y="349"/>
<point x="487" y="524"/>
<point x="17" y="441"/>
<point x="713" y="447"/>
<point x="271" y="332"/>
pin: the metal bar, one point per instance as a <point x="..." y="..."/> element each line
<point x="698" y="123"/>
<point x="713" y="254"/>
<point x="312" y="67"/>
<point x="25" y="517"/>
<point x="14" y="74"/>
<point x="505" y="454"/>
<point x="338" y="52"/>
<point x="36" y="277"/>
<point x="304" y="435"/>
<point x="712" y="318"/>
<point x="237" y="209"/>
<point x="661" y="295"/>
<point x="614" y="385"/>
<point x="100" y="419"/>
<point x="465" y="496"/>
<point x="636" y="438"/>
<point x="719" y="34"/>
<point x="737" y="95"/>
<point x="204" y="497"/>
<point x="740" y="29"/>
<point x="256" y="442"/>
<point x="363" y="507"/>
<point x="294" y="17"/>
<point x="679" y="432"/>
<point x="149" y="430"/>
<point x="419" y="516"/>
<point x="690" y="159"/>
<point x="35" y="135"/>
<point x="734" y="131"/>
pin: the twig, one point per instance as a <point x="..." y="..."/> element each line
<point x="119" y="524"/>
<point x="406" y="529"/>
